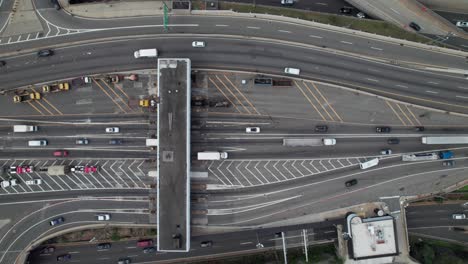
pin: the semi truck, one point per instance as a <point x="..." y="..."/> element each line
<point x="308" y="142"/>
<point x="25" y="97"/>
<point x="57" y="87"/>
<point x="212" y="155"/>
<point x="58" y="170"/>
<point x="146" y="53"/>
<point x="447" y="154"/>
<point x="24" y="128"/>
<point x="445" y="140"/>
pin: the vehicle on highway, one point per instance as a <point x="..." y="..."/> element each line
<point x="21" y="169"/>
<point x="444" y="140"/>
<point x="361" y="15"/>
<point x="321" y="128"/>
<point x="369" y="163"/>
<point x="351" y="183"/>
<point x="329" y="141"/>
<point x="37" y="143"/>
<point x="459" y="216"/>
<point x="386" y="152"/>
<point x="293" y="71"/>
<point x="9" y="183"/>
<point x="103" y="217"/>
<point x="446" y="154"/>
<point x="45" y="53"/>
<point x="383" y="129"/>
<point x="2" y="63"/>
<point x="124" y="261"/>
<point x="146" y="53"/>
<point x="393" y="141"/>
<point x="149" y="250"/>
<point x="63" y="257"/>
<point x="414" y="26"/>
<point x="112" y="130"/>
<point x="33" y="182"/>
<point x="24" y="128"/>
<point x="462" y="24"/>
<point x="198" y="44"/>
<point x="60" y="153"/>
<point x="82" y="141"/>
<point x="57" y="221"/>
<point x="287" y="2"/>
<point x="104" y="246"/>
<point x="252" y="130"/>
<point x="205" y="244"/>
<point x="448" y="163"/>
<point x="26" y="97"/>
<point x="145" y="243"/>
<point x="419" y="128"/>
<point x="47" y="250"/>
<point x="212" y="155"/>
<point x="346" y="10"/>
<point x="115" y="141"/>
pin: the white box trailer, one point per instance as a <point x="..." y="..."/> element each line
<point x="24" y="128"/>
<point x="151" y="142"/>
<point x="146" y="53"/>
<point x="212" y="155"/>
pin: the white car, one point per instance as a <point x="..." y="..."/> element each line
<point x="252" y="130"/>
<point x="462" y="24"/>
<point x="386" y="152"/>
<point x="5" y="184"/>
<point x="103" y="217"/>
<point x="459" y="216"/>
<point x="198" y="44"/>
<point x="293" y="71"/>
<point x="34" y="182"/>
<point x="112" y="130"/>
<point x="329" y="141"/>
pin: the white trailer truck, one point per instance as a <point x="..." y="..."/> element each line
<point x="24" y="128"/>
<point x="146" y="53"/>
<point x="212" y="155"/>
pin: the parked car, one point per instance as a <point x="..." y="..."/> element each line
<point x="21" y="169"/>
<point x="90" y="169"/>
<point x="145" y="243"/>
<point x="459" y="216"/>
<point x="45" y="53"/>
<point x="321" y="128"/>
<point x="112" y="130"/>
<point x="414" y="26"/>
<point x="393" y="141"/>
<point x="103" y="217"/>
<point x="448" y="163"/>
<point x="198" y="44"/>
<point x="346" y="10"/>
<point x="361" y="15"/>
<point x="383" y="129"/>
<point x="60" y="153"/>
<point x="149" y="250"/>
<point x="386" y="152"/>
<point x="351" y="183"/>
<point x="252" y="130"/>
<point x="82" y="141"/>
<point x="462" y="24"/>
<point x="57" y="221"/>
<point x="34" y="182"/>
<point x="63" y="257"/>
<point x="205" y="244"/>
<point x="104" y="246"/>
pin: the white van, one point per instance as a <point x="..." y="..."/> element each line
<point x="292" y="71"/>
<point x="146" y="53"/>
<point x="37" y="143"/>
<point x="369" y="163"/>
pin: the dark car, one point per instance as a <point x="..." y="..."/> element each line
<point x="448" y="163"/>
<point x="115" y="141"/>
<point x="346" y="10"/>
<point x="2" y="63"/>
<point x="351" y="183"/>
<point x="63" y="257"/>
<point x="82" y="141"/>
<point x="414" y="26"/>
<point x="104" y="246"/>
<point x="393" y="141"/>
<point x="47" y="250"/>
<point x="149" y="250"/>
<point x="205" y="244"/>
<point x="321" y="128"/>
<point x="45" y="53"/>
<point x="383" y="129"/>
<point x="419" y="128"/>
<point x="56" y="4"/>
<point x="124" y="261"/>
<point x="57" y="221"/>
<point x="287" y="2"/>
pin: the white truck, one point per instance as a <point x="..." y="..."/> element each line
<point x="308" y="142"/>
<point x="146" y="53"/>
<point x="24" y="128"/>
<point x="151" y="142"/>
<point x="212" y="155"/>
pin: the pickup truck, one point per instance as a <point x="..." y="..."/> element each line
<point x="56" y="87"/>
<point x="25" y="97"/>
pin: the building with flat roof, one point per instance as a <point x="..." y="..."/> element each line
<point x="173" y="162"/>
<point x="371" y="238"/>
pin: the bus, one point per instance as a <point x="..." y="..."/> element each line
<point x="420" y="156"/>
<point x="369" y="163"/>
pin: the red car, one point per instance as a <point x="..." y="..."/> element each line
<point x="145" y="243"/>
<point x="90" y="169"/>
<point x="22" y="169"/>
<point x="60" y="153"/>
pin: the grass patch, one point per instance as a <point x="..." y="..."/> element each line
<point x="463" y="189"/>
<point x="366" y="25"/>
<point x="427" y="250"/>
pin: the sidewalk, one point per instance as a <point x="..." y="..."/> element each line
<point x="23" y="20"/>
<point x="119" y="9"/>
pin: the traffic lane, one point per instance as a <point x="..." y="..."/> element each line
<point x="263" y="58"/>
<point x="315" y="5"/>
<point x="445" y="233"/>
<point x="85" y="154"/>
<point x="66" y="141"/>
<point x="434" y="215"/>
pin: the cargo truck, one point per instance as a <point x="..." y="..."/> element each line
<point x="24" y="128"/>
<point x="428" y="156"/>
<point x="25" y="97"/>
<point x="58" y="170"/>
<point x="212" y="155"/>
<point x="54" y="88"/>
<point x="146" y="53"/>
<point x="444" y="140"/>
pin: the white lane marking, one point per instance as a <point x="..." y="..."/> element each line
<point x="313" y="36"/>
<point x="246" y="243"/>
<point x="130" y="247"/>
<point x="401" y="86"/>
<point x="432" y="92"/>
<point x="395" y="11"/>
<point x="374" y="48"/>
<point x="462" y="97"/>
<point x="284" y="31"/>
<point x="103" y="258"/>
<point x="73" y="252"/>
<point x="346" y="42"/>
<point x="254" y="27"/>
<point x="221" y="25"/>
<point x="332" y="231"/>
<point x="372" y="80"/>
<point x="132" y="256"/>
<point x="324" y="4"/>
<point x="461" y="87"/>
<point x="389" y="197"/>
<point x="432" y="82"/>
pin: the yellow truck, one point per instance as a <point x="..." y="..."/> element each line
<point x="25" y="97"/>
<point x="56" y="87"/>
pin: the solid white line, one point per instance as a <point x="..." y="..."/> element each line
<point x="324" y="4"/>
<point x="284" y="31"/>
<point x="254" y="27"/>
<point x="402" y="86"/>
<point x="389" y="197"/>
<point x="220" y="25"/>
<point x="461" y="87"/>
<point x="432" y="82"/>
<point x="132" y="256"/>
<point x="395" y="11"/>
<point x="130" y="247"/>
<point x="246" y="243"/>
<point x="432" y="92"/>
<point x="332" y="231"/>
<point x="376" y="48"/>
<point x="395" y="212"/>
<point x="462" y="97"/>
<point x="346" y="42"/>
<point x="73" y="252"/>
<point x="313" y="36"/>
<point x="373" y="80"/>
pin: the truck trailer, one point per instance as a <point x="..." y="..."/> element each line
<point x="24" y="128"/>
<point x="212" y="155"/>
<point x="146" y="53"/>
<point x="445" y="140"/>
